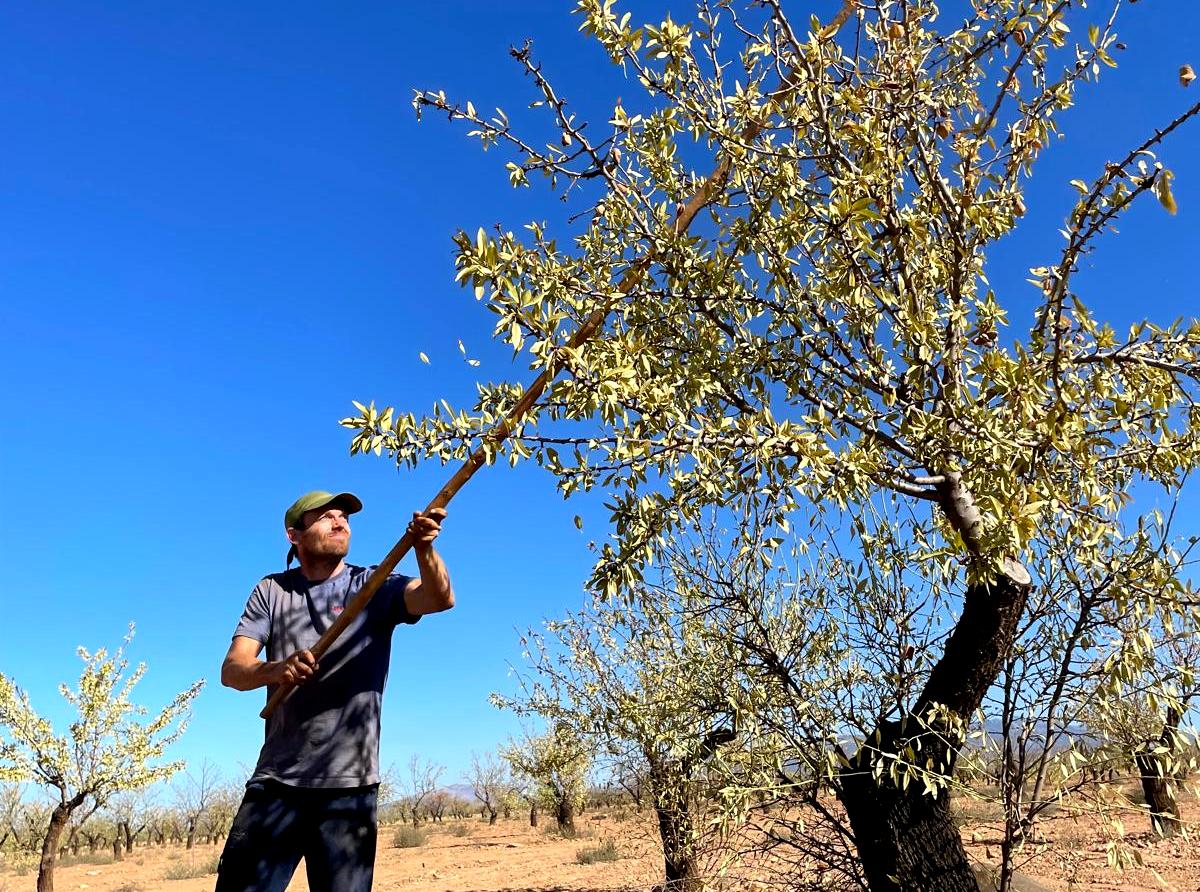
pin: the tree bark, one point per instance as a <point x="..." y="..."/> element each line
<point x="58" y="822"/>
<point x="676" y="831"/>
<point x="668" y="783"/>
<point x="1158" y="778"/>
<point x="533" y="814"/>
<point x="906" y="839"/>
<point x="118" y="849"/>
<point x="565" y="815"/>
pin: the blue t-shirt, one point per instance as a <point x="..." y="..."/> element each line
<point x="326" y="734"/>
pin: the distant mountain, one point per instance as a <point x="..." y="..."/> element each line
<point x="462" y="791"/>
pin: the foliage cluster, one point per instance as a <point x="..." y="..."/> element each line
<point x="802" y="350"/>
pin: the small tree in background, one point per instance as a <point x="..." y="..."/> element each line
<point x="556" y="763"/>
<point x="194" y="793"/>
<point x="222" y="808"/>
<point x="639" y="686"/>
<point x="423" y="779"/>
<point x="111" y="746"/>
<point x="488" y="778"/>
<point x="134" y="812"/>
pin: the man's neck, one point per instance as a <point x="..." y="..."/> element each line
<point x="320" y="570"/>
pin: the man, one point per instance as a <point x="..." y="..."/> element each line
<point x="313" y="792"/>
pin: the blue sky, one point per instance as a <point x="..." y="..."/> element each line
<point x="221" y="223"/>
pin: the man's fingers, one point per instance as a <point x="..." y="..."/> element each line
<point x="425" y="527"/>
<point x="300" y="667"/>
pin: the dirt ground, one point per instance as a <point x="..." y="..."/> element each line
<point x="469" y="856"/>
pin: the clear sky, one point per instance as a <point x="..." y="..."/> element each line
<point x="220" y="223"/>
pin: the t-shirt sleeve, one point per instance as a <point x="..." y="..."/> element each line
<point x="397" y="609"/>
<point x="256" y="618"/>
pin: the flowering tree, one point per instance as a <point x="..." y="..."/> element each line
<point x="113" y="744"/>
<point x="640" y="688"/>
<point x="811" y="325"/>
<point x="555" y="764"/>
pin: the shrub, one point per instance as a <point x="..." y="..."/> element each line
<point x="606" y="851"/>
<point x="102" y="857"/>
<point x="190" y="870"/>
<point x="552" y="829"/>
<point x="409" y="838"/>
<point x="458" y="829"/>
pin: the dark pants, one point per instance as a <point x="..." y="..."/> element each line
<point x="277" y="825"/>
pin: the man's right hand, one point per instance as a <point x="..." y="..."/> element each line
<point x="296" y="669"/>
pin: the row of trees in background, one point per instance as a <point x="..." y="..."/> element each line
<point x="539" y="773"/>
<point x="196" y="809"/>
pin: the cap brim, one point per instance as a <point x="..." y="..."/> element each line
<point x="347" y="501"/>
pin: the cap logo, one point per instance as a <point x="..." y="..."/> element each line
<point x="336" y="609"/>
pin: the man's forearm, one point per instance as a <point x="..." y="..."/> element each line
<point x="436" y="590"/>
<point x="242" y="675"/>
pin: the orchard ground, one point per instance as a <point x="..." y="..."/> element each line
<point x="471" y="856"/>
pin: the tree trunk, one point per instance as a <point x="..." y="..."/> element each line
<point x="565" y="815"/>
<point x="1157" y="771"/>
<point x="493" y="814"/>
<point x="533" y="815"/>
<point x="118" y="849"/>
<point x="58" y="821"/>
<point x="125" y="829"/>
<point x="676" y="831"/>
<point x="905" y="837"/>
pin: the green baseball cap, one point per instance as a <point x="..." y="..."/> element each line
<point x="311" y="501"/>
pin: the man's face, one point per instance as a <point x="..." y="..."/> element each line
<point x="325" y="534"/>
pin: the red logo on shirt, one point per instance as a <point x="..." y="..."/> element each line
<point x="335" y="609"/>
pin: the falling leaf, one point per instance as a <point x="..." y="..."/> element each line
<point x="1186" y="74"/>
<point x="1162" y="188"/>
<point x="424" y="358"/>
<point x="578" y="522"/>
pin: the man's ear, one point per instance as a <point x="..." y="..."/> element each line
<point x="293" y="535"/>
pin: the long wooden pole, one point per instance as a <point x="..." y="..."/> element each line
<point x="497" y="435"/>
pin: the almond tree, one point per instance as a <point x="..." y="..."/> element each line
<point x="423" y="781"/>
<point x="194" y="794"/>
<point x="133" y="812"/>
<point x="113" y="744"/>
<point x="489" y="783"/>
<point x="556" y="764"/>
<point x="811" y="325"/>
<point x="639" y="687"/>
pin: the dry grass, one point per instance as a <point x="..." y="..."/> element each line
<point x="606" y="851"/>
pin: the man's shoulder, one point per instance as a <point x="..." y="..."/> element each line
<point x="286" y="580"/>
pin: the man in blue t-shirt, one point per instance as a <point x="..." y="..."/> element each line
<point x="312" y="794"/>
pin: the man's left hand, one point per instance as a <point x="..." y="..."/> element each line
<point x="424" y="528"/>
